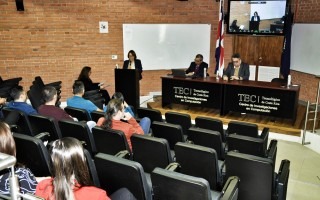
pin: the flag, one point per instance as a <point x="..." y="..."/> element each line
<point x="219" y="43"/>
<point x="286" y="51"/>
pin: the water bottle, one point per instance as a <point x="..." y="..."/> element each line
<point x="117" y="66"/>
<point x="205" y="73"/>
<point x="289" y="81"/>
<point x="217" y="75"/>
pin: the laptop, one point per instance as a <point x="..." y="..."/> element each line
<point x="178" y="73"/>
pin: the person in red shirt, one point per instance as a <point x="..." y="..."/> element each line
<point x="114" y="114"/>
<point x="71" y="179"/>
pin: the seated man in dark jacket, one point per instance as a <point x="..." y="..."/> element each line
<point x="236" y="70"/>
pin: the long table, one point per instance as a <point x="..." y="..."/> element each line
<point x="255" y="97"/>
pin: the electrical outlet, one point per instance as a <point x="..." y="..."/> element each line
<point x="114" y="57"/>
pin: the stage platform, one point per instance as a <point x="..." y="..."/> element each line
<point x="276" y="125"/>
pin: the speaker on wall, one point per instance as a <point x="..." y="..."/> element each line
<point x="19" y="4"/>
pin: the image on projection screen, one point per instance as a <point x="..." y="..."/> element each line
<point x="167" y="46"/>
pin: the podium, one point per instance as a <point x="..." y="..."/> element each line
<point x="127" y="82"/>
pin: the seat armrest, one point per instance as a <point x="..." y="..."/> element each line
<point x="43" y="136"/>
<point x="123" y="154"/>
<point x="272" y="150"/>
<point x="264" y="133"/>
<point x="175" y="167"/>
<point x="282" y="180"/>
<point x="230" y="188"/>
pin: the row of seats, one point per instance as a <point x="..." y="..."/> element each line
<point x="7" y="85"/>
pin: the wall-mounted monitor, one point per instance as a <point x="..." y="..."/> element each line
<point x="256" y="17"/>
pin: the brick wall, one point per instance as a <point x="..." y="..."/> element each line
<point x="55" y="39"/>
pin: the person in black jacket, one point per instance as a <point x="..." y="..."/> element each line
<point x="89" y="85"/>
<point x="196" y="68"/>
<point x="133" y="63"/>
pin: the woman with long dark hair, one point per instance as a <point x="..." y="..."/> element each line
<point x="133" y="63"/>
<point x="84" y="76"/>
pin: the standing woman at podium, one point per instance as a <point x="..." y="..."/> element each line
<point x="84" y="76"/>
<point x="133" y="63"/>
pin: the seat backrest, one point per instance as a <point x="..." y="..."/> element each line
<point x="80" y="131"/>
<point x="247" y="145"/>
<point x="96" y="115"/>
<point x="256" y="175"/>
<point x="211" y="124"/>
<point x="32" y="153"/>
<point x="35" y="96"/>
<point x="38" y="80"/>
<point x="207" y="138"/>
<point x="184" y="120"/>
<point x="282" y="180"/>
<point x="92" y="168"/>
<point x="150" y="152"/>
<point x="153" y="114"/>
<point x="80" y="114"/>
<point x="243" y="128"/>
<point x="40" y="124"/>
<point x="198" y="161"/>
<point x="110" y="141"/>
<point x="171" y="132"/>
<point x="115" y="173"/>
<point x="21" y="120"/>
<point x="173" y="185"/>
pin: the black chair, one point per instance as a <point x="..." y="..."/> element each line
<point x="184" y="120"/>
<point x="279" y="80"/>
<point x="115" y="173"/>
<point x="40" y="124"/>
<point x="96" y="115"/>
<point x="111" y="141"/>
<point x="80" y="114"/>
<point x="258" y="179"/>
<point x="249" y="145"/>
<point x="151" y="152"/>
<point x="7" y="85"/>
<point x="208" y="138"/>
<point x="38" y="80"/>
<point x="79" y="131"/>
<point x="32" y="153"/>
<point x="171" y="132"/>
<point x="92" y="168"/>
<point x="211" y="124"/>
<point x="243" y="128"/>
<point x="173" y="185"/>
<point x="18" y="120"/>
<point x="35" y="96"/>
<point x="153" y="114"/>
<point x="201" y="162"/>
<point x="95" y="97"/>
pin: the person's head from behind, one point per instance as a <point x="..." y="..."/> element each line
<point x="7" y="144"/>
<point x="85" y="73"/>
<point x="18" y="94"/>
<point x="255" y="14"/>
<point x="78" y="88"/>
<point x="236" y="60"/>
<point x="69" y="167"/>
<point x="198" y="59"/>
<point x="132" y="55"/>
<point x="115" y="110"/>
<point x="118" y="95"/>
<point x="49" y="94"/>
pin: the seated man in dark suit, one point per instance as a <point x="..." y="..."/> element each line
<point x="196" y="68"/>
<point x="236" y="70"/>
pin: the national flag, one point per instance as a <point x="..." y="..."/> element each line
<point x="219" y="43"/>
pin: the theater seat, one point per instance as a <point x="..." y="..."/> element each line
<point x="173" y="185"/>
<point x="211" y="124"/>
<point x="182" y="119"/>
<point x="80" y="114"/>
<point x="243" y="128"/>
<point x="115" y="173"/>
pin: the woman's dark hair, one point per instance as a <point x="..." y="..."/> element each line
<point x="84" y="74"/>
<point x="118" y="95"/>
<point x="113" y="107"/>
<point x="69" y="167"/>
<point x="132" y="53"/>
<point x="255" y="13"/>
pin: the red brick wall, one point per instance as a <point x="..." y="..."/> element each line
<point x="55" y="39"/>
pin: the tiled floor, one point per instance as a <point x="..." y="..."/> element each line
<point x="304" y="178"/>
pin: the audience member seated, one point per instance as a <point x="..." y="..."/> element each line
<point x="26" y="179"/>
<point x="236" y="70"/>
<point x="145" y="122"/>
<point x="84" y="76"/>
<point x="19" y="97"/>
<point x="115" y="113"/>
<point x="3" y="101"/>
<point x="49" y="95"/>
<point x="71" y="178"/>
<point x="77" y="101"/>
